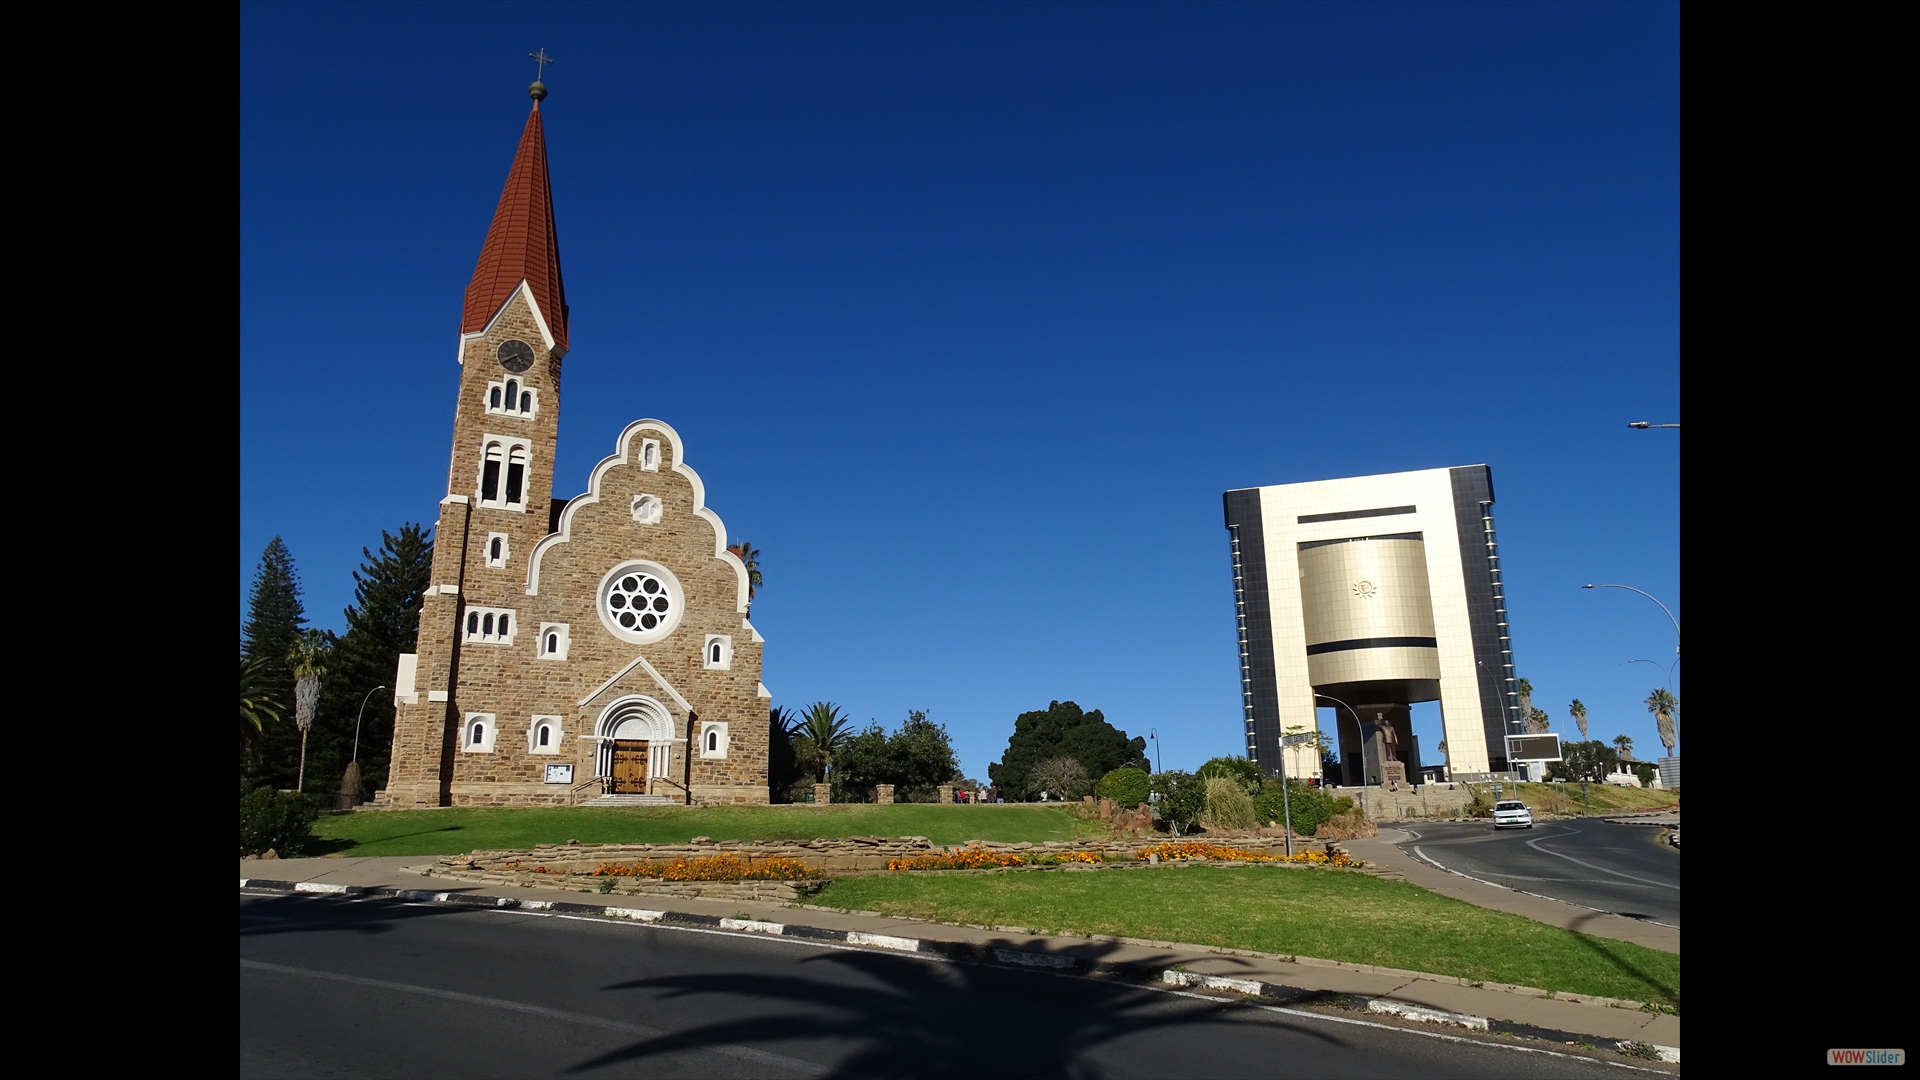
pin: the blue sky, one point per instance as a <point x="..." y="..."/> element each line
<point x="968" y="314"/>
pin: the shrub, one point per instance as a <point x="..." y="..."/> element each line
<point x="1228" y="805"/>
<point x="275" y="821"/>
<point x="1479" y="801"/>
<point x="1183" y="797"/>
<point x="1310" y="806"/>
<point x="1128" y="787"/>
<point x="1240" y="770"/>
<point x="1645" y="772"/>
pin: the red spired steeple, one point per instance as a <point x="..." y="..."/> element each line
<point x="521" y="243"/>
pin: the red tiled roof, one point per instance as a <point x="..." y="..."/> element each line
<point x="521" y="244"/>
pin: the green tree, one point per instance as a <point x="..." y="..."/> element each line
<point x="1310" y="806"/>
<point x="1623" y="745"/>
<point x="1579" y="712"/>
<point x="1525" y="687"/>
<point x="1663" y="705"/>
<point x="824" y="729"/>
<point x="1589" y="760"/>
<point x="1538" y="722"/>
<point x="390" y="587"/>
<point x="915" y="758"/>
<point x="275" y="620"/>
<point x="1063" y="729"/>
<point x="1239" y="770"/>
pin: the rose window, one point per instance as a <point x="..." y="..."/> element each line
<point x="639" y="601"/>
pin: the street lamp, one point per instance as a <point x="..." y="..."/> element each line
<point x="356" y="720"/>
<point x="1676" y="705"/>
<point x="1155" y="736"/>
<point x="1655" y="599"/>
<point x="1643" y="425"/>
<point x="1363" y="738"/>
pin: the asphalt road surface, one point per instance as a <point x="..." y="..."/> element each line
<point x="1626" y="869"/>
<point x="332" y="987"/>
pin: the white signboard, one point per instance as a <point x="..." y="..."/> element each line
<point x="1301" y="739"/>
<point x="559" y="774"/>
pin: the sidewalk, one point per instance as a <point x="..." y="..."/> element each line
<point x="1487" y="1007"/>
<point x="1382" y="852"/>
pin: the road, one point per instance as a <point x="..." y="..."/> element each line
<point x="1625" y="869"/>
<point x="333" y="987"/>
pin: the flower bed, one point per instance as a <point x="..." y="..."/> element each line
<point x="726" y="866"/>
<point x="1197" y="849"/>
<point x="977" y="859"/>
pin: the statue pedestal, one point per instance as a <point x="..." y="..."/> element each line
<point x="1393" y="774"/>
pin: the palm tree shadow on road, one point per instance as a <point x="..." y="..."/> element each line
<point x="905" y="1017"/>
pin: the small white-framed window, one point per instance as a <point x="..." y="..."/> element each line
<point x="504" y="472"/>
<point x="647" y="509"/>
<point x="512" y="398"/>
<point x="713" y="739"/>
<point x="544" y="736"/>
<point x="498" y="550"/>
<point x="476" y="734"/>
<point x="650" y="455"/>
<point x="553" y="641"/>
<point x="717" y="654"/>
<point x="492" y="626"/>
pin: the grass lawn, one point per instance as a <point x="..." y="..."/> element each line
<point x="1332" y="915"/>
<point x="1601" y="798"/>
<point x="455" y="831"/>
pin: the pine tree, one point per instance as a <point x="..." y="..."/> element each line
<point x="275" y="620"/>
<point x="384" y="621"/>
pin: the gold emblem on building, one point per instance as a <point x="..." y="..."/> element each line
<point x="1365" y="590"/>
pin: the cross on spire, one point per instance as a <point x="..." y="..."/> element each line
<point x="541" y="60"/>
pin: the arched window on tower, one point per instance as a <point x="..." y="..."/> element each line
<point x="494" y="551"/>
<point x="512" y="398"/>
<point x="553" y="642"/>
<point x="490" y="474"/>
<point x="713" y="742"/>
<point x="493" y="398"/>
<point x="516" y="477"/>
<point x="526" y="401"/>
<point x="473" y="623"/>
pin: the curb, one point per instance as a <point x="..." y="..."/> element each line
<point x="954" y="950"/>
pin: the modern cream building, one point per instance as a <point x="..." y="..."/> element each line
<point x="1374" y="593"/>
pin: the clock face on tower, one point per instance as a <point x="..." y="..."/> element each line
<point x="516" y="356"/>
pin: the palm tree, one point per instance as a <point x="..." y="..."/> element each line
<point x="1624" y="744"/>
<point x="308" y="658"/>
<point x="1525" y="687"/>
<point x="749" y="557"/>
<point x="1538" y="722"/>
<point x="1579" y="712"/>
<point x="1663" y="705"/>
<point x="824" y="729"/>
<point x="258" y="704"/>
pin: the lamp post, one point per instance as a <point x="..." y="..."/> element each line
<point x="1655" y="599"/>
<point x="1362" y="728"/>
<point x="1643" y="425"/>
<point x="356" y="720"/>
<point x="1155" y="736"/>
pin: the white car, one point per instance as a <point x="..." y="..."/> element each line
<point x="1512" y="814"/>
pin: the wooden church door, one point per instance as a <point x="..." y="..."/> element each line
<point x="630" y="767"/>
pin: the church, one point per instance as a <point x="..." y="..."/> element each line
<point x="592" y="649"/>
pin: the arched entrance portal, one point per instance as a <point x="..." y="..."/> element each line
<point x="636" y="740"/>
